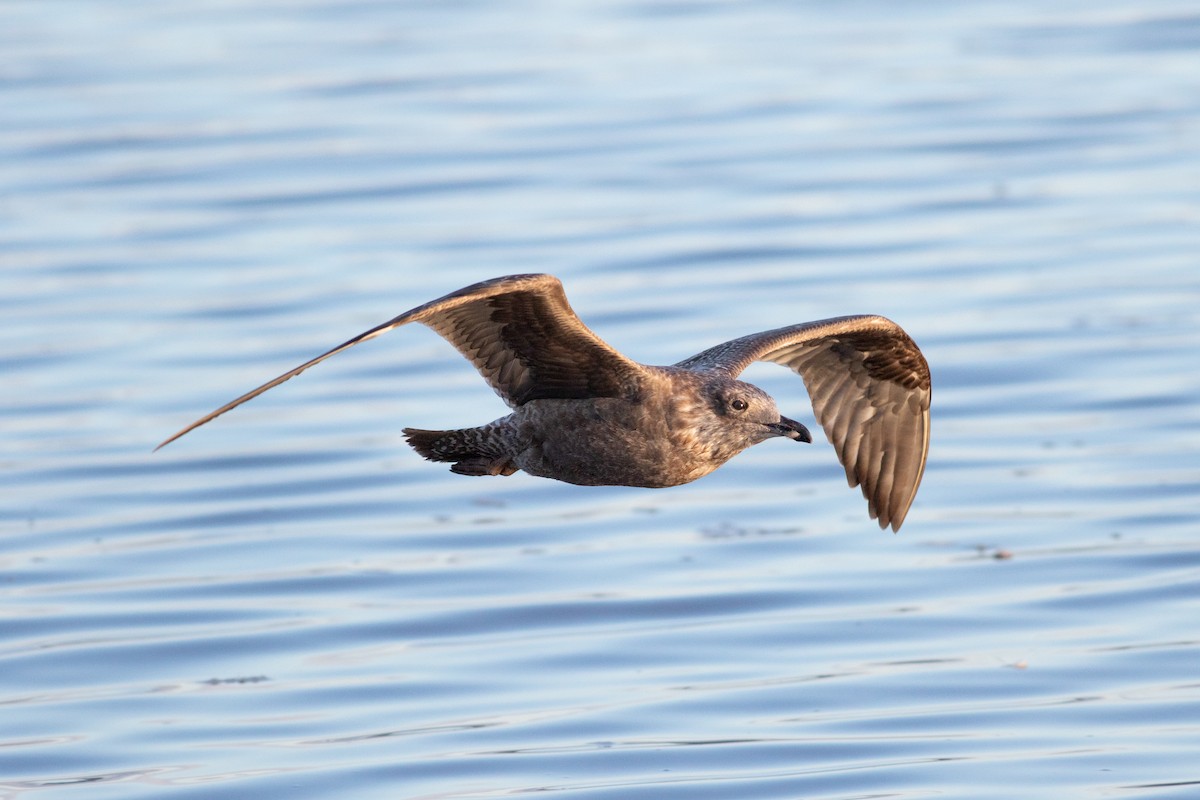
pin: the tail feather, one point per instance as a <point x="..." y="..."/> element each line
<point x="441" y="445"/>
<point x="466" y="448"/>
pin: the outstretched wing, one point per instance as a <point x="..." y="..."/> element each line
<point x="519" y="332"/>
<point x="870" y="391"/>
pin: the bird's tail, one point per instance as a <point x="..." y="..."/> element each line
<point x="466" y="448"/>
<point x="442" y="445"/>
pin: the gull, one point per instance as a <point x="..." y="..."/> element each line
<point x="585" y="414"/>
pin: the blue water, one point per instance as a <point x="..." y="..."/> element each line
<point x="288" y="602"/>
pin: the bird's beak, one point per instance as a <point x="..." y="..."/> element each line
<point x="791" y="429"/>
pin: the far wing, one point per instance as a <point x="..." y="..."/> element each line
<point x="870" y="390"/>
<point x="520" y="333"/>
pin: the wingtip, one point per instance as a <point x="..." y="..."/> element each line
<point x="169" y="439"/>
<point x="885" y="520"/>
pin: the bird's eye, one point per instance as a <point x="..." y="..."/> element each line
<point x="738" y="404"/>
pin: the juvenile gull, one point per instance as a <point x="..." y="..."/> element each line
<point x="585" y="414"/>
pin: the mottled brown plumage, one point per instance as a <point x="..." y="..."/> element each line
<point x="585" y="414"/>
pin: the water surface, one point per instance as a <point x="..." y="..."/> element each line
<point x="290" y="603"/>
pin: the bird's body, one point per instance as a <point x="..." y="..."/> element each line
<point x="585" y="414"/>
<point x="668" y="432"/>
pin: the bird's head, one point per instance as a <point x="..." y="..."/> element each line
<point x="741" y="415"/>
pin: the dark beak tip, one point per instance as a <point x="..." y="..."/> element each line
<point x="794" y="430"/>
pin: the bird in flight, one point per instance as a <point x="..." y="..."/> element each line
<point x="586" y="414"/>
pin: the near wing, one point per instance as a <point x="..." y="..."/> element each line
<point x="519" y="332"/>
<point x="870" y="391"/>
